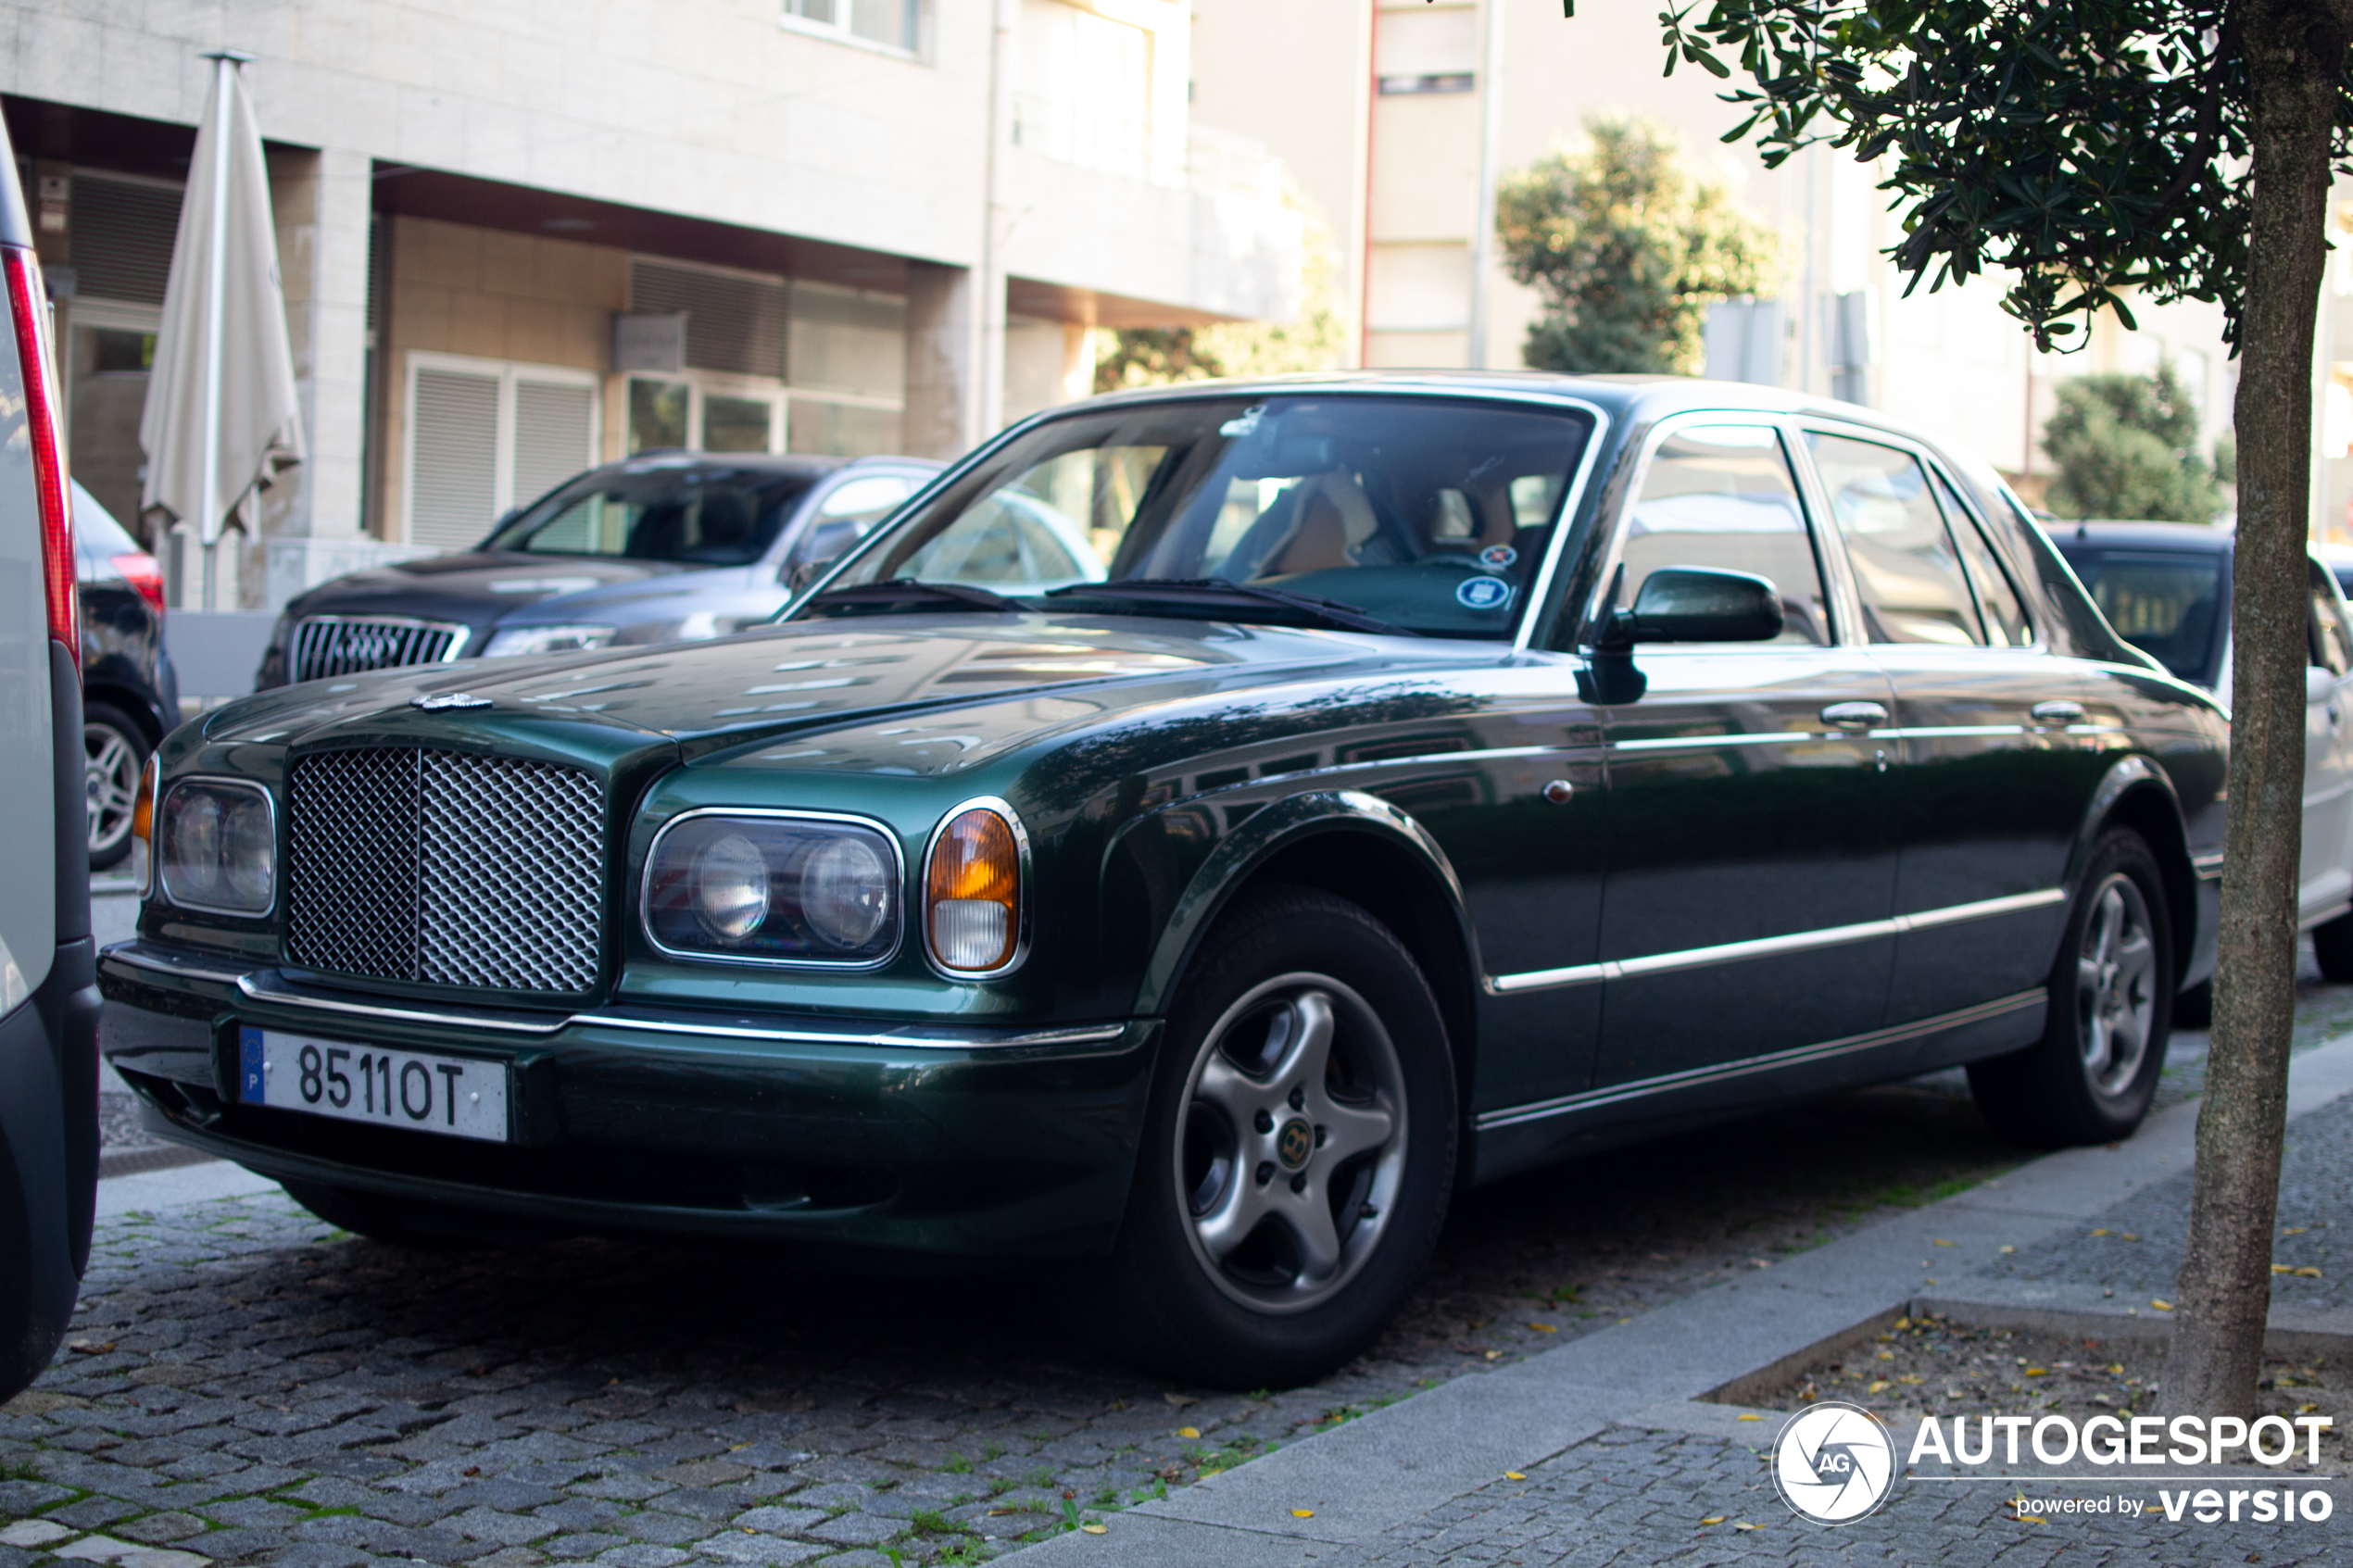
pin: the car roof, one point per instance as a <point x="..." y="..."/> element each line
<point x="2183" y="536"/>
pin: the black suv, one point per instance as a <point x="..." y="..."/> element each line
<point x="48" y="997"/>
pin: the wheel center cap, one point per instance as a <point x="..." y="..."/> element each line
<point x="1294" y="1144"/>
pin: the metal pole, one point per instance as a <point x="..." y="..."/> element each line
<point x="225" y="63"/>
<point x="1491" y="137"/>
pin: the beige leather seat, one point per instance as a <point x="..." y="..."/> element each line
<point x="1334" y="518"/>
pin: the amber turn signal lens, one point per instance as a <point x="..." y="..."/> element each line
<point x="972" y="903"/>
<point x="142" y="825"/>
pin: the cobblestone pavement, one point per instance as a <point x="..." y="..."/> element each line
<point x="247" y="1384"/>
<point x="1635" y="1496"/>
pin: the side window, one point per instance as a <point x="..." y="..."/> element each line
<point x="1907" y="570"/>
<point x="1723" y="497"/>
<point x="2004" y="615"/>
<point x="2326" y="632"/>
<point x="848" y="515"/>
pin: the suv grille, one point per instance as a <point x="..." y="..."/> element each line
<point x="336" y="644"/>
<point x="445" y="868"/>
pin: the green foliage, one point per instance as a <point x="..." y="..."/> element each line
<point x="2088" y="146"/>
<point x="2126" y="446"/>
<point x="2226" y="458"/>
<point x="1315" y="339"/>
<point x="1629" y="245"/>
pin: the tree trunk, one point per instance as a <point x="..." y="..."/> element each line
<point x="2295" y="55"/>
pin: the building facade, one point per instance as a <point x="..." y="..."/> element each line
<point x="516" y="238"/>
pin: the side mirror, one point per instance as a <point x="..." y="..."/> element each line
<point x="1686" y="603"/>
<point x="805" y="573"/>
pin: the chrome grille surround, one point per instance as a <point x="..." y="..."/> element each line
<point x="324" y="645"/>
<point x="445" y="868"/>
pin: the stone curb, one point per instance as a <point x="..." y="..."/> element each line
<point x="1354" y="1482"/>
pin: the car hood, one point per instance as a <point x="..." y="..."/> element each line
<point x="476" y="587"/>
<point x="717" y="697"/>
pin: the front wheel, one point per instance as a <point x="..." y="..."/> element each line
<point x="1298" y="1154"/>
<point x="2092" y="1076"/>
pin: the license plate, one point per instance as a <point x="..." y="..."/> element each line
<point x="424" y="1091"/>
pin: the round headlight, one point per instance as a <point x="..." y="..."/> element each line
<point x="249" y="850"/>
<point x="191" y="842"/>
<point x="731" y="887"/>
<point x="845" y="891"/>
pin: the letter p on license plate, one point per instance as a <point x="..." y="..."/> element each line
<point x="422" y="1091"/>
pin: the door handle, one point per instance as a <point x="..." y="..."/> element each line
<point x="2058" y="712"/>
<point x="1854" y="715"/>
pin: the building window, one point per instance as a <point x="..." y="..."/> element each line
<point x="891" y="23"/>
<point x="485" y="437"/>
<point x="706" y="413"/>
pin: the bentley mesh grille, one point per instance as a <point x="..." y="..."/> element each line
<point x="445" y="868"/>
<point x="334" y="644"/>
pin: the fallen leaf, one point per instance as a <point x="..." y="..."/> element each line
<point x="2128" y="1236"/>
<point x="2295" y="1230"/>
<point x="2306" y="1410"/>
<point x="1876" y="1386"/>
<point x="2116" y="1369"/>
<point x="1189" y="1432"/>
<point x="1902" y="1322"/>
<point x="1744" y="1525"/>
<point x="2283" y="1268"/>
<point x="2099" y="1232"/>
<point x="1623" y="1322"/>
<point x="1095" y="1529"/>
<point x="473" y="1470"/>
<point x="1514" y="1475"/>
<point x="1494" y="1355"/>
<point x="2038" y="1371"/>
<point x="1713" y="1519"/>
<point x="2309" y="1273"/>
<point x="2160" y="1306"/>
<point x="2030" y="1519"/>
<point x="91" y="1347"/>
<point x="1748" y="1416"/>
<point x="1544" y="1328"/>
<point x="2009" y="1248"/>
<point x="1181" y="1400"/>
<point x="1908" y="1377"/>
<point x="1942" y="1244"/>
<point x="1303" y="1513"/>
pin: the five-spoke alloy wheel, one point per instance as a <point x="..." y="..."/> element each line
<point x="2091" y="1076"/>
<point x="114" y="751"/>
<point x="1299" y="1148"/>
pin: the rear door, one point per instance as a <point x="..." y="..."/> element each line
<point x="1752" y="853"/>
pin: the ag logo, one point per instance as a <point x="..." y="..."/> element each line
<point x="1833" y="1462"/>
<point x="1295" y="1143"/>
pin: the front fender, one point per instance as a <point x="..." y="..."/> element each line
<point x="1232" y="859"/>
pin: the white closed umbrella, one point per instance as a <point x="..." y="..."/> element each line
<point x="220" y="418"/>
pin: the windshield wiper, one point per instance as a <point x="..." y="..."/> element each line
<point x="908" y="593"/>
<point x="1217" y="591"/>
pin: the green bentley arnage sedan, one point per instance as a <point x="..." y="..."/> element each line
<point x="1193" y="835"/>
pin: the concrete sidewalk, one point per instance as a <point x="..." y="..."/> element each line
<point x="1422" y="1480"/>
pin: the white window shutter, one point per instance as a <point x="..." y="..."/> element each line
<point x="453" y="468"/>
<point x="555" y="435"/>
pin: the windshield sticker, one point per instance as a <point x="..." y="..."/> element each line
<point x="1495" y="557"/>
<point x="1246" y="423"/>
<point x="1483" y="592"/>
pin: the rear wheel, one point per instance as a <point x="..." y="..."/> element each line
<point x="114" y="749"/>
<point x="2092" y="1076"/>
<point x="1299" y="1149"/>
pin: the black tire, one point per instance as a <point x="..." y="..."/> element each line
<point x="2084" y="1082"/>
<point x="2333" y="946"/>
<point x="1199" y="1290"/>
<point x="422" y="1227"/>
<point x="114" y="749"/>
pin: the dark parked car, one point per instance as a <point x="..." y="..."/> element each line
<point x="664" y="546"/>
<point x="2165" y="588"/>
<point x="1196" y="832"/>
<point x="130" y="692"/>
<point x="48" y="1004"/>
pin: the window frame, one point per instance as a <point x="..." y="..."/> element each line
<point x="839" y="31"/>
<point x="1939" y="473"/>
<point x="507" y="372"/>
<point x="1839" y="602"/>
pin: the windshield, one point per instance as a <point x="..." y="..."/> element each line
<point x="1428" y="514"/>
<point x="698" y="514"/>
<point x="2166" y="603"/>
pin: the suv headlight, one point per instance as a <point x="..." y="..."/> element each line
<point x="775" y="888"/>
<point x="510" y="641"/>
<point x="216" y="846"/>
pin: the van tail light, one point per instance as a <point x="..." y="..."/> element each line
<point x="29" y="312"/>
<point x="142" y="573"/>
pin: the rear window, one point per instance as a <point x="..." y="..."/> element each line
<point x="2166" y="603"/>
<point x="693" y="514"/>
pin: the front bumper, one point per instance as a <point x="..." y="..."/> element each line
<point x="980" y="1142"/>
